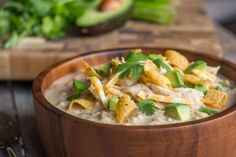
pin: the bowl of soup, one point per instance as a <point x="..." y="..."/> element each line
<point x="137" y="102"/>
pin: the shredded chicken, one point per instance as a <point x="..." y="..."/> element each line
<point x="142" y="88"/>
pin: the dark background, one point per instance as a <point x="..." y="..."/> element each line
<point x="223" y="12"/>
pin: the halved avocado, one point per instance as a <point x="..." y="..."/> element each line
<point x="95" y="21"/>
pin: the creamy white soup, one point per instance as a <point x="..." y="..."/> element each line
<point x="143" y="89"/>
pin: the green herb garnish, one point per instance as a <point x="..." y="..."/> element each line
<point x="161" y="64"/>
<point x="133" y="52"/>
<point x="78" y="88"/>
<point x="207" y="111"/>
<point x="136" y="72"/>
<point x="44" y="18"/>
<point x="132" y="70"/>
<point x="133" y="67"/>
<point x="73" y="97"/>
<point x="147" y="107"/>
<point x="135" y="57"/>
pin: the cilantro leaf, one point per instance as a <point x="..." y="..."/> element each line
<point x="131" y="53"/>
<point x="125" y="74"/>
<point x="124" y="66"/>
<point x="160" y="63"/>
<point x="137" y="57"/>
<point x="105" y="70"/>
<point x="73" y="97"/>
<point x="147" y="107"/>
<point x="11" y="41"/>
<point x="133" y="68"/>
<point x="4" y="23"/>
<point x="78" y="88"/>
<point x="136" y="72"/>
<point x="51" y="18"/>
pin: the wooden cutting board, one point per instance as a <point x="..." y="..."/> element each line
<point x="192" y="30"/>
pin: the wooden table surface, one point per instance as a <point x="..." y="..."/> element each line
<point x="16" y="100"/>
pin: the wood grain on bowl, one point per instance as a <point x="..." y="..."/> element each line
<point x="65" y="135"/>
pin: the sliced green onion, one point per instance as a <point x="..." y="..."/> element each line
<point x="207" y="111"/>
<point x="113" y="103"/>
<point x="198" y="65"/>
<point x="201" y="88"/>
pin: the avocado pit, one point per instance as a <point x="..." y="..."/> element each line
<point x="109" y="5"/>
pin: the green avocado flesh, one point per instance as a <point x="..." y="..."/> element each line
<point x="201" y="88"/>
<point x="178" y="111"/>
<point x="176" y="78"/>
<point x="93" y="16"/>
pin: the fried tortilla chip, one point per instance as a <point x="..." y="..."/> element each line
<point x="196" y="80"/>
<point x="215" y="98"/>
<point x="97" y="88"/>
<point x="176" y="59"/>
<point x="152" y="75"/>
<point x="125" y="108"/>
<point x="83" y="103"/>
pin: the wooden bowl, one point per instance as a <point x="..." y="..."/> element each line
<point x="64" y="135"/>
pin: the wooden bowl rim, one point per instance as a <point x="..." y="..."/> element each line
<point x="39" y="96"/>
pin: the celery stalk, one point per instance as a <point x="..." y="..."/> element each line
<point x="156" y="11"/>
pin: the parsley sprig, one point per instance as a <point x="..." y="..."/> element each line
<point x="133" y="66"/>
<point x="147" y="107"/>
